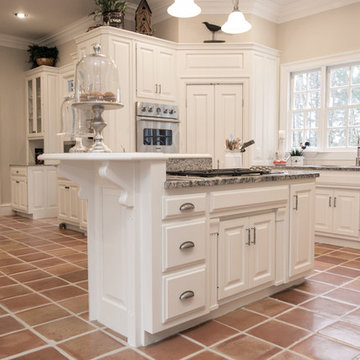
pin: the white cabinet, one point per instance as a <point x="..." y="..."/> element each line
<point x="337" y="211"/>
<point x="33" y="190"/>
<point x="213" y="113"/>
<point x="156" y="72"/>
<point x="301" y="246"/>
<point x="71" y="209"/>
<point x="246" y="254"/>
<point x="42" y="114"/>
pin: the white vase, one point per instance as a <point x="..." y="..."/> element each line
<point x="297" y="160"/>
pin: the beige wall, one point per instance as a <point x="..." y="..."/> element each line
<point x="322" y="34"/>
<point x="193" y="30"/>
<point x="12" y="115"/>
<point x="66" y="51"/>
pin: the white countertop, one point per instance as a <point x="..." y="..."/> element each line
<point x="125" y="156"/>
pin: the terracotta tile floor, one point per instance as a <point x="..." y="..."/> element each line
<point x="44" y="308"/>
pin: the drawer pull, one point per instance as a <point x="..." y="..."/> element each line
<point x="186" y="295"/>
<point x="187" y="207"/>
<point x="67" y="187"/>
<point x="186" y="245"/>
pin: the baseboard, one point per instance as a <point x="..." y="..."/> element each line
<point x="354" y="244"/>
<point x="5" y="210"/>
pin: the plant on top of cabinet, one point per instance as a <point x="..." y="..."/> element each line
<point x="112" y="12"/>
<point x="42" y="55"/>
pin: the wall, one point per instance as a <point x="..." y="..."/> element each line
<point x="192" y="30"/>
<point x="12" y="115"/>
<point x="66" y="51"/>
<point x="322" y="34"/>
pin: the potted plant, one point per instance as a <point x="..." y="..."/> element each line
<point x="296" y="157"/>
<point x="42" y="55"/>
<point x="112" y="12"/>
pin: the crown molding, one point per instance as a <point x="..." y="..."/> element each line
<point x="14" y="42"/>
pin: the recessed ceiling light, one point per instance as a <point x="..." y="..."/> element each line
<point x="20" y="15"/>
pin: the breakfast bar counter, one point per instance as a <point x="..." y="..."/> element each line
<point x="166" y="254"/>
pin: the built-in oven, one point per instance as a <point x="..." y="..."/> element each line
<point x="157" y="128"/>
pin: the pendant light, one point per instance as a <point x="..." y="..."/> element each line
<point x="236" y="22"/>
<point x="184" y="9"/>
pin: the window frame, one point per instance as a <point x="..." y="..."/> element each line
<point x="322" y="152"/>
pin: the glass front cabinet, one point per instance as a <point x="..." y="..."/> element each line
<point x="42" y="111"/>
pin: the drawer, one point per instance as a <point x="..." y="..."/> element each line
<point x="184" y="243"/>
<point x="183" y="205"/>
<point x="184" y="293"/>
<point x="224" y="200"/>
<point x="18" y="170"/>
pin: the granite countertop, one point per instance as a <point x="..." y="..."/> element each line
<point x="178" y="182"/>
<point x="320" y="167"/>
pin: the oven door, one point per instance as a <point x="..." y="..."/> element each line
<point x="157" y="136"/>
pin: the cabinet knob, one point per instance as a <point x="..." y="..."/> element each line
<point x="17" y="181"/>
<point x="67" y="187"/>
<point x="186" y="245"/>
<point x="187" y="207"/>
<point x="187" y="295"/>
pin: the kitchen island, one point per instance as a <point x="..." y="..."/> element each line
<point x="166" y="254"/>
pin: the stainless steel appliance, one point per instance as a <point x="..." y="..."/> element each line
<point x="157" y="128"/>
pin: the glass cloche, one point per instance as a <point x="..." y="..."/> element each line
<point x="97" y="79"/>
<point x="97" y="88"/>
<point x="75" y="125"/>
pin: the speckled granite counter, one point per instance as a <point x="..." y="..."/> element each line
<point x="178" y="182"/>
<point x="320" y="167"/>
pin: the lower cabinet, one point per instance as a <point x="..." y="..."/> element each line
<point x="33" y="190"/>
<point x="71" y="209"/>
<point x="301" y="245"/>
<point x="246" y="253"/>
<point x="337" y="211"/>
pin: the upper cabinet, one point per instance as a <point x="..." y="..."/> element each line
<point x="155" y="72"/>
<point x="42" y="110"/>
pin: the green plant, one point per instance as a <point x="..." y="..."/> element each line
<point x="36" y="51"/>
<point x="105" y="6"/>
<point x="296" y="152"/>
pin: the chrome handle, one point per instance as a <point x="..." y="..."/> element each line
<point x="186" y="245"/>
<point x="187" y="207"/>
<point x="249" y="237"/>
<point x="156" y="88"/>
<point x="296" y="202"/>
<point x="329" y="201"/>
<point x="159" y="88"/>
<point x="334" y="202"/>
<point x="254" y="240"/>
<point x="187" y="295"/>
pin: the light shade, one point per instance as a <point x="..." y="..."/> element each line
<point x="184" y="9"/>
<point x="236" y="23"/>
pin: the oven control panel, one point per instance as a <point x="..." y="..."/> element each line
<point x="161" y="111"/>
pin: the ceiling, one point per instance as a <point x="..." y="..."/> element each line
<point x="49" y="17"/>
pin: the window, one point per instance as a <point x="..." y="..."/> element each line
<point x="325" y="107"/>
<point x="305" y="105"/>
<point x="343" y="106"/>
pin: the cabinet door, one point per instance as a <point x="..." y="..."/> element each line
<point x="232" y="257"/>
<point x="200" y="120"/>
<point x="262" y="250"/>
<point x="166" y="74"/>
<point x="346" y="212"/>
<point x="15" y="193"/>
<point x="74" y="214"/>
<point x="63" y="201"/>
<point x="30" y="106"/>
<point x="323" y="209"/>
<point x="146" y="71"/>
<point x="301" y="247"/>
<point x="23" y="194"/>
<point x="228" y="117"/>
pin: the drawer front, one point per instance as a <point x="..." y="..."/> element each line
<point x="184" y="293"/>
<point x="224" y="200"/>
<point x="188" y="205"/>
<point x="183" y="243"/>
<point x="18" y="170"/>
